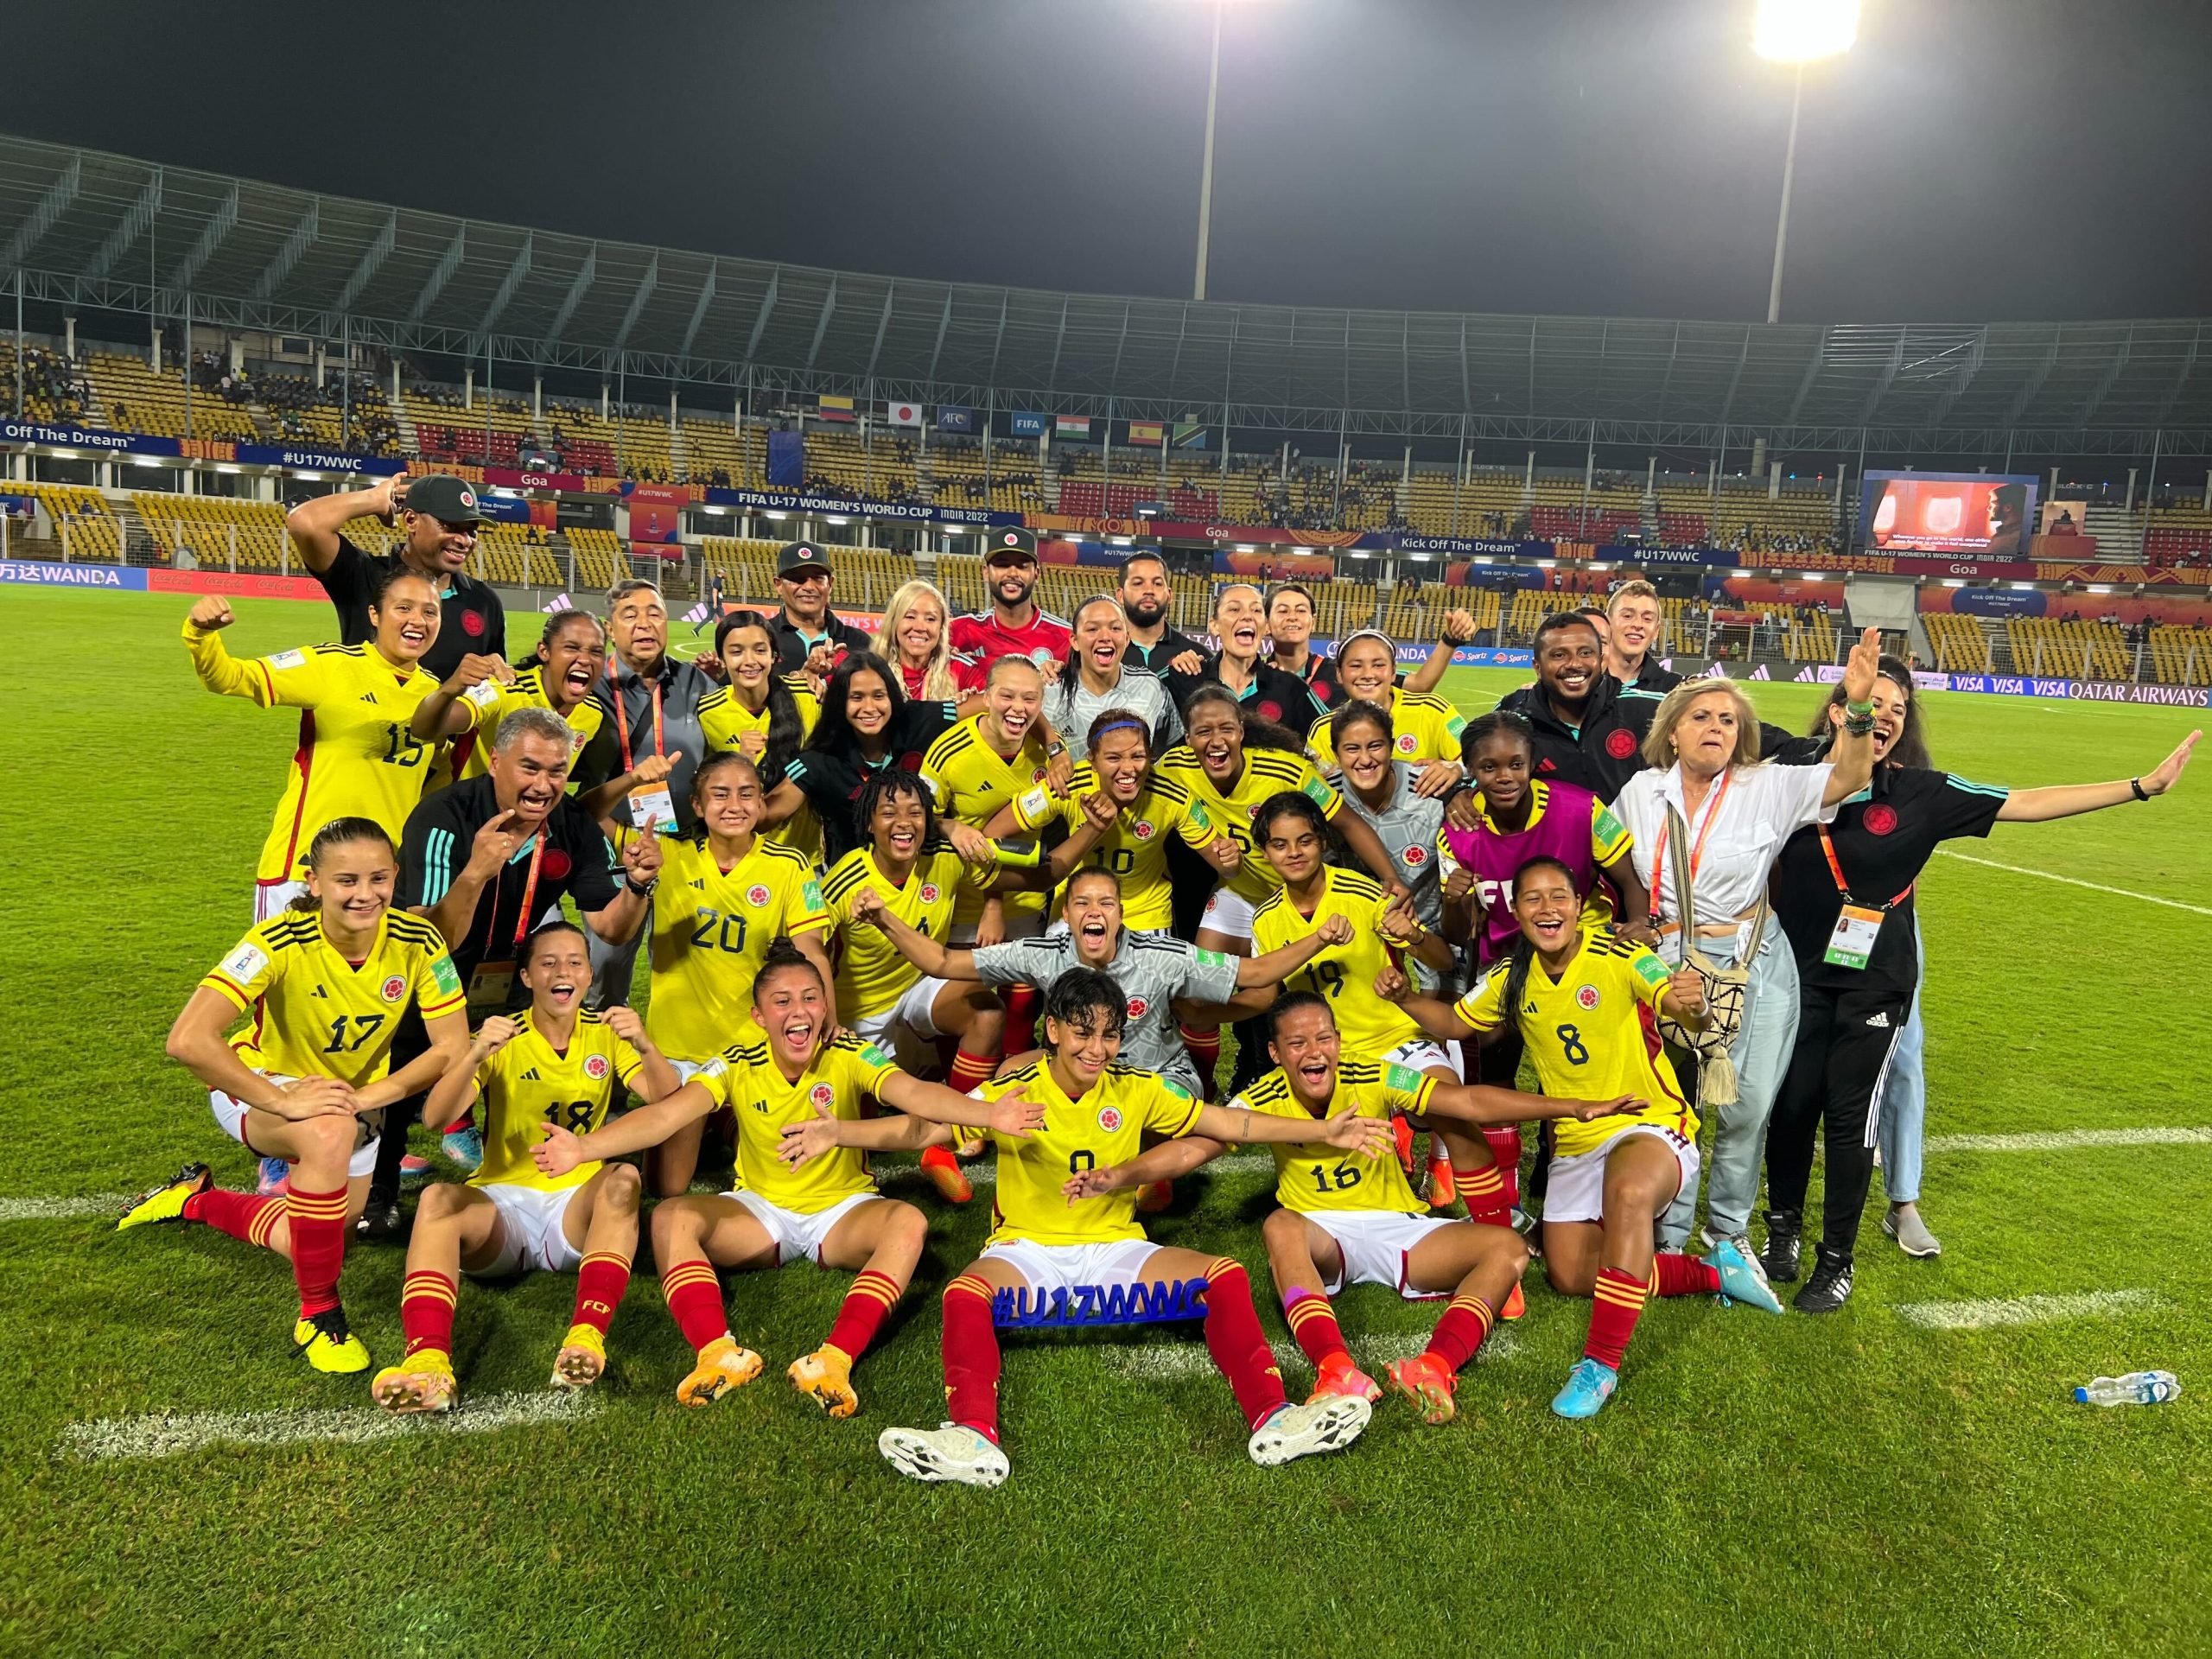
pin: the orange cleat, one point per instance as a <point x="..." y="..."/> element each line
<point x="1154" y="1197"/>
<point x="1403" y="1132"/>
<point x="944" y="1173"/>
<point x="1516" y="1304"/>
<point x="1427" y="1382"/>
<point x="1442" y="1189"/>
<point x="1339" y="1377"/>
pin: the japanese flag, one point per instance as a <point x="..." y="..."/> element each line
<point x="903" y="413"/>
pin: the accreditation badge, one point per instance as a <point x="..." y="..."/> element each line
<point x="650" y="804"/>
<point x="490" y="987"/>
<point x="1853" y="942"/>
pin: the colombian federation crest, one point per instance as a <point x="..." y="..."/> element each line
<point x="1109" y="1118"/>
<point x="1406" y="743"/>
<point x="595" y="1067"/>
<point x="822" y="1096"/>
<point x="757" y="895"/>
<point x="1138" y="1006"/>
<point x="393" y="988"/>
<point x="1586" y="997"/>
<point x="1416" y="854"/>
<point x="928" y="892"/>
<point x="1144" y="830"/>
<point x="1620" y="744"/>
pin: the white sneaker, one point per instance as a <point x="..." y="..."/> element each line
<point x="1295" y="1432"/>
<point x="948" y="1452"/>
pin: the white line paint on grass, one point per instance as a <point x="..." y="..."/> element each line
<point x="2071" y="881"/>
<point x="60" y="1209"/>
<point x="1161" y="1361"/>
<point x="2069" y="1140"/>
<point x="2022" y="1310"/>
<point x="114" y="1439"/>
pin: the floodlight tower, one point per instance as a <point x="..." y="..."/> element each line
<point x="1794" y="32"/>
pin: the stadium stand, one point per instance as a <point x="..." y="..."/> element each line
<point x="137" y="398"/>
<point x="2175" y="536"/>
<point x="52" y="387"/>
<point x="2094" y="651"/>
<point x="1958" y="643"/>
<point x="83" y="525"/>
<point x="2182" y="656"/>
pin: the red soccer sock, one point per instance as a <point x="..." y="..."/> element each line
<point x="1505" y="1142"/>
<point x="1239" y="1347"/>
<point x="694" y="1301"/>
<point x="971" y="1357"/>
<point x="1682" y="1275"/>
<point x="1021" y="1005"/>
<point x="1483" y="1191"/>
<point x="1615" y="1303"/>
<point x="599" y="1284"/>
<point x="318" y="1244"/>
<point x="426" y="1302"/>
<point x="1461" y="1331"/>
<point x="873" y="1295"/>
<point x="242" y="1215"/>
<point x="1204" y="1047"/>
<point x="1313" y="1322"/>
<point x="968" y="1070"/>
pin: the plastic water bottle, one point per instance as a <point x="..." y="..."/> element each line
<point x="2135" y="1388"/>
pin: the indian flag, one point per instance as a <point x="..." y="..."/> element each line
<point x="1071" y="426"/>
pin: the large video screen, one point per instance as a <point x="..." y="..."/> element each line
<point x="1989" y="514"/>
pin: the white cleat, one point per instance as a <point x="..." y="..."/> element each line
<point x="1328" y="1425"/>
<point x="949" y="1452"/>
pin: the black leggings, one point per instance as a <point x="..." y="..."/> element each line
<point x="1844" y="1042"/>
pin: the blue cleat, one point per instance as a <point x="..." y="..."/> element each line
<point x="269" y="1182"/>
<point x="1589" y="1385"/>
<point x="465" y="1147"/>
<point x="1741" y="1279"/>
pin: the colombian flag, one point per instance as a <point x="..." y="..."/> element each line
<point x="834" y="409"/>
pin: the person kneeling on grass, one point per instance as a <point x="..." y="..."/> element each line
<point x="830" y="1214"/>
<point x="1584" y="1000"/>
<point x="555" y="1062"/>
<point x="1054" y="1234"/>
<point x="1344" y="1221"/>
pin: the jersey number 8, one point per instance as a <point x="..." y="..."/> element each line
<point x="1570" y="1045"/>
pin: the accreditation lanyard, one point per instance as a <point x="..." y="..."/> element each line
<point x="490" y="985"/>
<point x="649" y="804"/>
<point x="1697" y="852"/>
<point x="622" y="725"/>
<point x="1857" y="926"/>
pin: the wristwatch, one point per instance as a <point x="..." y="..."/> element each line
<point x="643" y="891"/>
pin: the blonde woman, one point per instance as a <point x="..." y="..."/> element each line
<point x="915" y="641"/>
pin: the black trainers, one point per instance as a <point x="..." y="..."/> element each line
<point x="1829" y="1287"/>
<point x="1785" y="1246"/>
<point x="380" y="1222"/>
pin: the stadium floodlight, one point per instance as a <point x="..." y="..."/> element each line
<point x="1798" y="32"/>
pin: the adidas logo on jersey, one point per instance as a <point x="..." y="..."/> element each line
<point x="530" y="1076"/>
<point x="368" y="697"/>
<point x="700" y="882"/>
<point x="321" y="991"/>
<point x="1879" y="1021"/>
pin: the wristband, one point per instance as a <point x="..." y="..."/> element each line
<point x="1857" y="710"/>
<point x="2141" y="793"/>
<point x="1054" y="750"/>
<point x="644" y="892"/>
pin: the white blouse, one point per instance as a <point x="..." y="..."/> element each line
<point x="1740" y="831"/>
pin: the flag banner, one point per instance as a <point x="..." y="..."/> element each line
<point x="951" y="418"/>
<point x="830" y="408"/>
<point x="1189" y="434"/>
<point x="1150" y="433"/>
<point x="1071" y="426"/>
<point x="558" y="603"/>
<point x="903" y="413"/>
<point x="786" y="460"/>
<point x="1023" y="423"/>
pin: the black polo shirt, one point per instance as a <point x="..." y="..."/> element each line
<point x="1156" y="658"/>
<point x="441" y="833"/>
<point x="471" y="618"/>
<point x="1600" y="753"/>
<point x="1884" y="838"/>
<point x="1651" y="677"/>
<point x="629" y="702"/>
<point x="1275" y="694"/>
<point x="793" y="647"/>
<point x="832" y="783"/>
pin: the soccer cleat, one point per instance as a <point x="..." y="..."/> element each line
<point x="722" y="1366"/>
<point x="1785" y="1246"/>
<point x="422" y="1381"/>
<point x="1740" y="1278"/>
<point x="1341" y="1379"/>
<point x="1443" y="1191"/>
<point x="274" y="1178"/>
<point x="166" y="1202"/>
<point x="581" y="1358"/>
<point x="826" y="1376"/>
<point x="379" y="1222"/>
<point x="949" y="1452"/>
<point x="412" y="1169"/>
<point x="1589" y="1385"/>
<point x="327" y="1343"/>
<point x="465" y="1145"/>
<point x="1515" y="1303"/>
<point x="1294" y="1431"/>
<point x="1403" y="1133"/>
<point x="1829" y="1287"/>
<point x="971" y="1147"/>
<point x="945" y="1174"/>
<point x="1154" y="1197"/>
<point x="1429" y="1383"/>
<point x="1911" y="1234"/>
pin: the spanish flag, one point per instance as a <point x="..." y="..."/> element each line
<point x="1146" y="432"/>
<point x="834" y="409"/>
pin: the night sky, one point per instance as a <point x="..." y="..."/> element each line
<point x="1970" y="161"/>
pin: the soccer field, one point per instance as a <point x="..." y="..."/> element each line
<point x="1908" y="1476"/>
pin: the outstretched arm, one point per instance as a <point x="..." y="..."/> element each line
<point x="1168" y="1161"/>
<point x="1370" y="1136"/>
<point x="1480" y="1102"/>
<point x="935" y="1103"/>
<point x="1279" y="964"/>
<point x="2070" y="800"/>
<point x="902" y="1133"/>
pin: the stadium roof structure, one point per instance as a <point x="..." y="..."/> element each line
<point x="88" y="230"/>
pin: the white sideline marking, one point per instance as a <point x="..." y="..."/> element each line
<point x="60" y="1209"/>
<point x="2022" y="1310"/>
<point x="113" y="1440"/>
<point x="1182" y="1361"/>
<point x="2071" y="881"/>
<point x="2064" y="1140"/>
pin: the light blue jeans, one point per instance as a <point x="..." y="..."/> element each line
<point x="1902" y="1110"/>
<point x="1735" y="1136"/>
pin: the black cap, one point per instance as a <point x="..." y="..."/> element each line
<point x="800" y="556"/>
<point x="1019" y="545"/>
<point x="448" y="500"/>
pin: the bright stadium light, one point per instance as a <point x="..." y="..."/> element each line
<point x="1797" y="32"/>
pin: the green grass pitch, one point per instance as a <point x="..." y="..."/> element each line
<point x="1859" y="1483"/>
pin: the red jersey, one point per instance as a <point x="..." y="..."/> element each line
<point x="980" y="639"/>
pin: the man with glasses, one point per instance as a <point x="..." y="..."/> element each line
<point x="808" y="638"/>
<point x="1012" y="626"/>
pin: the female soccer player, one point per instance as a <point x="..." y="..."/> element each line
<point x="1425" y="729"/>
<point x="1384" y="792"/>
<point x="1051" y="1237"/>
<point x="981" y="765"/>
<point x="1147" y="810"/>
<point x="724" y="898"/>
<point x="470" y="702"/>
<point x="555" y="1063"/>
<point x="358" y="756"/>
<point x="325" y="982"/>
<point x="787" y="1069"/>
<point x="764" y="716"/>
<point x="1095" y="679"/>
<point x="1843" y="892"/>
<point x="1583" y="998"/>
<point x="1345" y="1222"/>
<point x="914" y="623"/>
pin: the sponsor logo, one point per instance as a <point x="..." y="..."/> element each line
<point x="822" y="1096"/>
<point x="1109" y="1118"/>
<point x="1415" y="855"/>
<point x="595" y="1066"/>
<point x="288" y="660"/>
<point x="1879" y="1021"/>
<point x="1144" y="830"/>
<point x="1138" y="1006"/>
<point x="1620" y="744"/>
<point x="1586" y="997"/>
<point x="928" y="892"/>
<point x="393" y="988"/>
<point x="757" y="895"/>
<point x="1879" y="820"/>
<point x="472" y="623"/>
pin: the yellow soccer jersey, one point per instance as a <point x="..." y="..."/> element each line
<point x="473" y="748"/>
<point x="712" y="929"/>
<point x="1423" y="727"/>
<point x="872" y="973"/>
<point x="356" y="756"/>
<point x="317" y="1015"/>
<point x="1314" y="1175"/>
<point x="971" y="783"/>
<point x="1343" y="974"/>
<point x="724" y="719"/>
<point x="1135" y="848"/>
<point x="745" y="1079"/>
<point x="1593" y="1032"/>
<point x="1107" y="1126"/>
<point x="1267" y="772"/>
<point x="529" y="1083"/>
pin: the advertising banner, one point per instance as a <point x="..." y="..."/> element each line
<point x="920" y="512"/>
<point x="656" y="511"/>
<point x="243" y="584"/>
<point x="32" y="573"/>
<point x="952" y="418"/>
<point x="1188" y="530"/>
<point x="303" y="458"/>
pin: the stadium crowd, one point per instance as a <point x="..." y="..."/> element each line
<point x="995" y="883"/>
